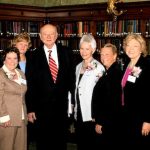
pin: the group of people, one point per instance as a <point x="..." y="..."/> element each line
<point x="29" y="94"/>
<point x="113" y="102"/>
<point x="110" y="105"/>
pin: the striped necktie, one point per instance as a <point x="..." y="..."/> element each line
<point x="53" y="67"/>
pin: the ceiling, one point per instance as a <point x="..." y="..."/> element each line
<point x="51" y="3"/>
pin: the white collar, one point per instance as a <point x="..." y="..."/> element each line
<point x="52" y="49"/>
<point x="10" y="74"/>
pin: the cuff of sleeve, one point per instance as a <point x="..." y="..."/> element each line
<point x="4" y="119"/>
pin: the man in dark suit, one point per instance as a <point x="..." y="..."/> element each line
<point x="47" y="100"/>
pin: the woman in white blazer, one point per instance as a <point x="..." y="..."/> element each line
<point x="87" y="74"/>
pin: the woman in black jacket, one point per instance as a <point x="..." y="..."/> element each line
<point x="135" y="101"/>
<point x="106" y="102"/>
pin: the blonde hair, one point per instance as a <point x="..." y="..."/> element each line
<point x="139" y="39"/>
<point x="24" y="36"/>
<point x="114" y="48"/>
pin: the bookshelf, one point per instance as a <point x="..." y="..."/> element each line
<point x="74" y="21"/>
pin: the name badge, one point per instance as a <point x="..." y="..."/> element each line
<point x="131" y="79"/>
<point x="23" y="81"/>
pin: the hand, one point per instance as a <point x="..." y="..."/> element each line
<point x="98" y="129"/>
<point x="6" y="124"/>
<point x="31" y="117"/>
<point x="145" y="128"/>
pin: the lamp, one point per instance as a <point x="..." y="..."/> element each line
<point x="112" y="9"/>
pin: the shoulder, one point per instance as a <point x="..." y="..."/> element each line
<point x="21" y="72"/>
<point x="29" y="53"/>
<point x="36" y="54"/>
<point x="1" y="71"/>
<point x="37" y="50"/>
<point x="60" y="46"/>
<point x="117" y="66"/>
<point x="143" y="63"/>
<point x="78" y="65"/>
<point x="98" y="65"/>
<point x="64" y="50"/>
<point x="2" y="74"/>
<point x="148" y="58"/>
<point x="97" y="62"/>
<point x="115" y="70"/>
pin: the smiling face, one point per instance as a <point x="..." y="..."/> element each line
<point x="107" y="56"/>
<point x="48" y="35"/>
<point x="11" y="61"/>
<point x="86" y="51"/>
<point x="133" y="49"/>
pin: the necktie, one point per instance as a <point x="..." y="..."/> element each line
<point x="53" y="67"/>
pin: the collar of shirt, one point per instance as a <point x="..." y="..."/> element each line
<point x="8" y="73"/>
<point x="53" y="54"/>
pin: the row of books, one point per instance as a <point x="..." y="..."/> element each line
<point x="122" y="27"/>
<point x="77" y="29"/>
<point x="11" y="28"/>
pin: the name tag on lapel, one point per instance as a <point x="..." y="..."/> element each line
<point x="131" y="79"/>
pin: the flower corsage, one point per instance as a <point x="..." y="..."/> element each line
<point x="91" y="66"/>
<point x="94" y="66"/>
<point x="136" y="71"/>
<point x="10" y="75"/>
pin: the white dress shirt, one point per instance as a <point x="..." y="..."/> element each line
<point x="53" y="54"/>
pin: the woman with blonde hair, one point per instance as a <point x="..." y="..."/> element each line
<point x="22" y="41"/>
<point x="135" y="101"/>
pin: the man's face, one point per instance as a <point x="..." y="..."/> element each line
<point x="48" y="35"/>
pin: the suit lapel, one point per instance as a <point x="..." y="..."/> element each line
<point x="60" y="62"/>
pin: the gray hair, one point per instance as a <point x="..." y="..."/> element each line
<point x="89" y="39"/>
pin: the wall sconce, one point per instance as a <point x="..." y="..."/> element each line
<point x="112" y="9"/>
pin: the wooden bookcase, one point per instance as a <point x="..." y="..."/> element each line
<point x="73" y="21"/>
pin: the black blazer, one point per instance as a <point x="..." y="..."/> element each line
<point x="136" y="94"/>
<point x="106" y="101"/>
<point x="44" y="97"/>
